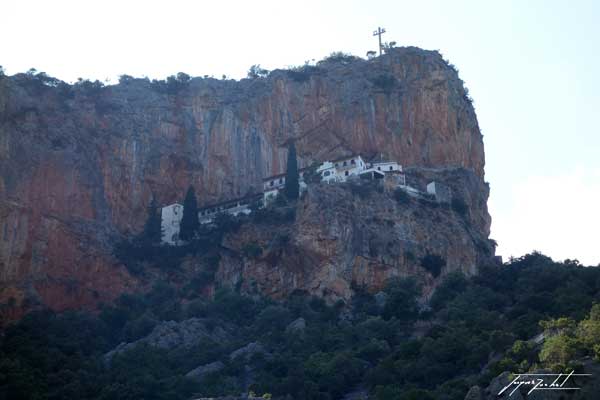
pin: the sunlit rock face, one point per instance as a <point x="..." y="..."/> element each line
<point x="79" y="165"/>
<point x="345" y="239"/>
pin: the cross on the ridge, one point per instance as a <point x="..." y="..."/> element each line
<point x="379" y="32"/>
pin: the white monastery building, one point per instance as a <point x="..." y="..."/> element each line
<point x="170" y="218"/>
<point x="336" y="171"/>
<point x="233" y="207"/>
<point x="273" y="184"/>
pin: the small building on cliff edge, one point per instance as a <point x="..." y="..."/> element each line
<point x="170" y="219"/>
<point x="337" y="171"/>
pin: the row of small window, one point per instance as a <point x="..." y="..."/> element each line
<point x="282" y="180"/>
<point x="391" y="168"/>
<point x="327" y="173"/>
<point x="220" y="208"/>
<point x="213" y="210"/>
<point x="345" y="163"/>
<point x="273" y="182"/>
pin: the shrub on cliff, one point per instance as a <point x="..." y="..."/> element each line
<point x="89" y="88"/>
<point x="303" y="73"/>
<point x="173" y="84"/>
<point x="453" y="284"/>
<point x="459" y="206"/>
<point x="385" y="82"/>
<point x="125" y="79"/>
<point x="252" y="250"/>
<point x="363" y="189"/>
<point x="401" y="196"/>
<point x="433" y="263"/>
<point x="339" y="57"/>
<point x="402" y="299"/>
<point x="256" y="71"/>
<point x="311" y="176"/>
<point x="278" y="213"/>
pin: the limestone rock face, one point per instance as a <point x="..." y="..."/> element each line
<point x="79" y="164"/>
<point x="346" y="237"/>
<point x="202" y="371"/>
<point x="170" y="335"/>
<point x="297" y="326"/>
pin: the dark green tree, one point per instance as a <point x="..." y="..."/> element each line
<point x="152" y="233"/>
<point x="189" y="222"/>
<point x="292" y="176"/>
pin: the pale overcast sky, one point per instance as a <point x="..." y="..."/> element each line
<point x="531" y="66"/>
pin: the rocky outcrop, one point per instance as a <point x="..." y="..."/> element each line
<point x="202" y="371"/>
<point x="355" y="235"/>
<point x="79" y="164"/>
<point x="296" y="327"/>
<point x="170" y="335"/>
<point x="247" y="352"/>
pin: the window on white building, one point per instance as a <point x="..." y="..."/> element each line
<point x="346" y="173"/>
<point x="352" y="162"/>
<point x="390" y="167"/>
<point x="327" y="173"/>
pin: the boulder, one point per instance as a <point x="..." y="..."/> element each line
<point x="170" y="334"/>
<point x="200" y="372"/>
<point x="248" y="351"/>
<point x="297" y="326"/>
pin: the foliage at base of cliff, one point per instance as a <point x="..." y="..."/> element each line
<point x="387" y="344"/>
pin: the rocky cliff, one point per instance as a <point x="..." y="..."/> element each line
<point x="79" y="164"/>
<point x="357" y="236"/>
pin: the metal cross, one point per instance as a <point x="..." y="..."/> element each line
<point x="379" y="32"/>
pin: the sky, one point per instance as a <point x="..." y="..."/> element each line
<point x="530" y="66"/>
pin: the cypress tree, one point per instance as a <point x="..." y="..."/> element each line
<point x="152" y="233"/>
<point x="292" y="177"/>
<point x="189" y="221"/>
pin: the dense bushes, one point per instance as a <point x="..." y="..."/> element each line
<point x="364" y="189"/>
<point x="173" y="84"/>
<point x="459" y="206"/>
<point x="252" y="250"/>
<point x="50" y="356"/>
<point x="401" y="196"/>
<point x="384" y="82"/>
<point x="303" y="73"/>
<point x="339" y="57"/>
<point x="433" y="263"/>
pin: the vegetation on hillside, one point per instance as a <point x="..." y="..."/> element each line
<point x="472" y="330"/>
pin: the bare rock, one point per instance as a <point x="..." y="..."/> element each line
<point x="170" y="334"/>
<point x="248" y="351"/>
<point x="297" y="326"/>
<point x="200" y="372"/>
<point x="475" y="393"/>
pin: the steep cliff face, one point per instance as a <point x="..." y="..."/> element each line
<point x="78" y="165"/>
<point x="357" y="236"/>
